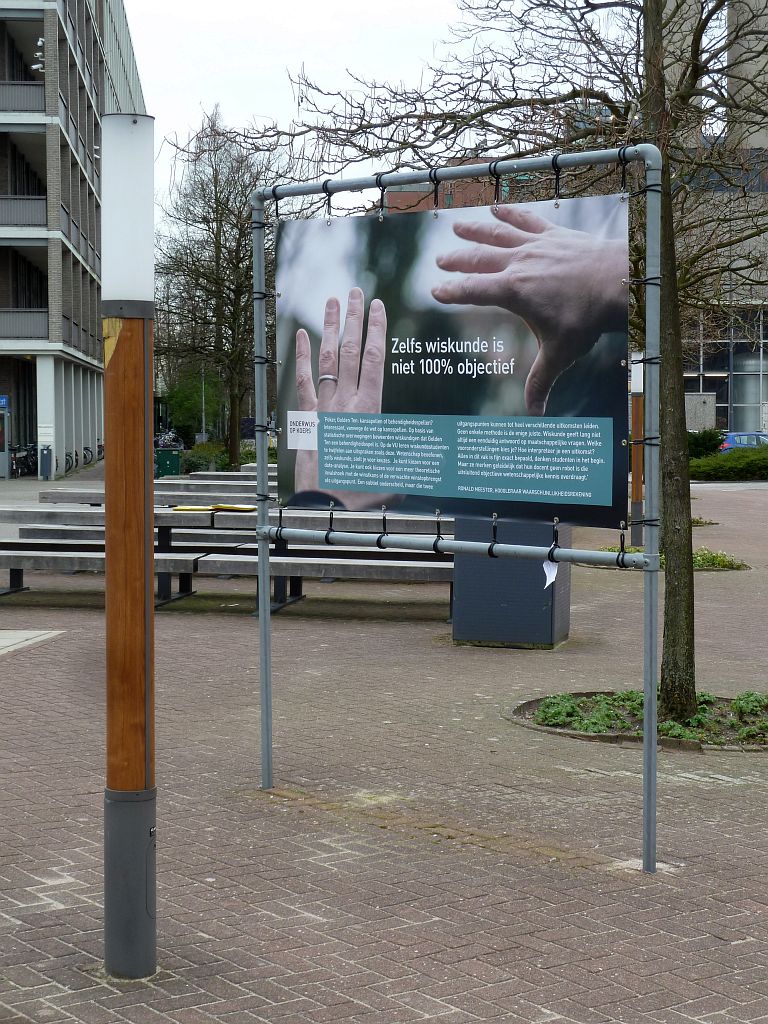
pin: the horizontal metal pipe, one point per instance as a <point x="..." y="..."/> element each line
<point x="448" y="546"/>
<point x="644" y="152"/>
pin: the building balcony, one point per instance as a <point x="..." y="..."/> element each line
<point x="80" y="242"/>
<point x="76" y="141"/>
<point x="23" y="211"/>
<point x="22" y="96"/>
<point x="75" y="334"/>
<point x="70" y="330"/>
<point x="24" y="323"/>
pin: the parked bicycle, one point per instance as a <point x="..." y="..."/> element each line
<point x="168" y="439"/>
<point x="23" y="460"/>
<point x="99" y="449"/>
<point x="69" y="462"/>
<point x="87" y="455"/>
<point x="32" y="459"/>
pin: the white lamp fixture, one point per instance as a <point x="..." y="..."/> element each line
<point x="127" y="208"/>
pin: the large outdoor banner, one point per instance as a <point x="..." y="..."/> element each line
<point x="474" y="361"/>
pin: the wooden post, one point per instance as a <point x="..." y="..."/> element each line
<point x="130" y="931"/>
<point x="129" y="555"/>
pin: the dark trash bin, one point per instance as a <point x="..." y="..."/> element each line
<point x="46" y="462"/>
<point x="502" y="601"/>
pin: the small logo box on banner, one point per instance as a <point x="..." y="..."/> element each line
<point x="302" y="431"/>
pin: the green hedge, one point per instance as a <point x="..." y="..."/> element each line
<point x="704" y="442"/>
<point x="201" y="456"/>
<point x="738" y="465"/>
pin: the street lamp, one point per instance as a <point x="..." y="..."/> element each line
<point x="127" y="291"/>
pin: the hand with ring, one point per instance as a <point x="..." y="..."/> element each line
<point x="345" y="382"/>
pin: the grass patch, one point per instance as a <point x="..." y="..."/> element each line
<point x="703" y="558"/>
<point x="717" y="721"/>
<point x="698" y="521"/>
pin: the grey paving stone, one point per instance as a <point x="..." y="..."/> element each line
<point x="420" y="858"/>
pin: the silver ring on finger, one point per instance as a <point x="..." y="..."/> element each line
<point x="328" y="376"/>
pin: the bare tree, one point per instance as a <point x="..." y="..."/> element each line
<point x="204" y="266"/>
<point x="533" y="76"/>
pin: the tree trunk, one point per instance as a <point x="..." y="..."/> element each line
<point x="233" y="429"/>
<point x="677" y="692"/>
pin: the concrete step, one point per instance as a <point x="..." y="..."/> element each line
<point x="324" y="567"/>
<point x="68" y="533"/>
<point x="76" y="514"/>
<point x="163" y="496"/>
<point x="61" y="532"/>
<point x="222" y="487"/>
<point x="223" y="476"/>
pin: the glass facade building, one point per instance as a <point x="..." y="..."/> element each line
<point x="733" y="367"/>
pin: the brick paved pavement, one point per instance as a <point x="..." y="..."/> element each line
<point x="421" y="858"/>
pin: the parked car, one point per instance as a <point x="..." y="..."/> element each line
<point x="738" y="441"/>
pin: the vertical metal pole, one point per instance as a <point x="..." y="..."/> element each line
<point x="763" y="404"/>
<point x="262" y="487"/>
<point x="651" y="577"/>
<point x="731" y="423"/>
<point x="637" y="463"/>
<point x="203" y="430"/>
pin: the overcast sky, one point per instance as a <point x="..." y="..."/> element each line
<point x="194" y="54"/>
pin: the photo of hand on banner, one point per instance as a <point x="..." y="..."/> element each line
<point x="563" y="283"/>
<point x="488" y="375"/>
<point x="345" y="383"/>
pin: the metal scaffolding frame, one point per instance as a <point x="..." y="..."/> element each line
<point x="649" y="158"/>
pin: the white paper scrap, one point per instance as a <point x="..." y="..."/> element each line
<point x="550" y="571"/>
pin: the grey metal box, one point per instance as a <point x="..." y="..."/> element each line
<point x="502" y="601"/>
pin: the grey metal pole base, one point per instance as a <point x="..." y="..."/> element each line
<point x="636" y="527"/>
<point x="130" y="926"/>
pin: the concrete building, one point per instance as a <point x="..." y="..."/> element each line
<point x="63" y="63"/>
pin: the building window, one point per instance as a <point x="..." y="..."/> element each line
<point x="17" y="70"/>
<point x="23" y="180"/>
<point x="30" y="285"/>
